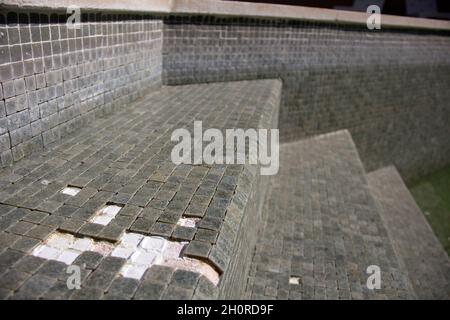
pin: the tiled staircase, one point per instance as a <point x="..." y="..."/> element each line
<point x="309" y="232"/>
<point x="323" y="229"/>
<point x="327" y="221"/>
<point x="425" y="261"/>
<point x="124" y="160"/>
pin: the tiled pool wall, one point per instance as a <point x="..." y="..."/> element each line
<point x="55" y="79"/>
<point x="390" y="88"/>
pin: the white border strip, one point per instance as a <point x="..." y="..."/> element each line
<point x="230" y="8"/>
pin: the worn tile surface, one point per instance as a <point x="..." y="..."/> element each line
<point x="55" y="79"/>
<point x="323" y="229"/>
<point x="390" y="88"/>
<point x="425" y="260"/>
<point x="125" y="160"/>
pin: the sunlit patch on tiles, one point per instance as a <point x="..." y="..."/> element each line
<point x="188" y="222"/>
<point x="106" y="214"/>
<point x="140" y="252"/>
<point x="66" y="248"/>
<point x="70" y="191"/>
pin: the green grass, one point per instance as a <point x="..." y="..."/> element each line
<point x="432" y="194"/>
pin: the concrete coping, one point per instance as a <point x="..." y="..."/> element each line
<point x="229" y="9"/>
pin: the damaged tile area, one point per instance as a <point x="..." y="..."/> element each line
<point x="173" y="258"/>
<point x="127" y="197"/>
<point x="66" y="248"/>
<point x="140" y="252"/>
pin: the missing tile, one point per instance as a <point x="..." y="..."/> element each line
<point x="173" y="258"/>
<point x="106" y="214"/>
<point x="70" y="191"/>
<point x="141" y="252"/>
<point x="154" y="250"/>
<point x="188" y="222"/>
<point x="294" y="280"/>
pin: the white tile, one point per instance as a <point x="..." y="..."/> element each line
<point x="105" y="214"/>
<point x="103" y="219"/>
<point x="68" y="256"/>
<point x="131" y="239"/>
<point x="133" y="271"/>
<point x="188" y="222"/>
<point x="122" y="252"/>
<point x="46" y="252"/>
<point x="157" y="244"/>
<point x="83" y="244"/>
<point x="111" y="209"/>
<point x="143" y="258"/>
<point x="60" y="241"/>
<point x="71" y="191"/>
<point x="159" y="259"/>
<point x="173" y="249"/>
